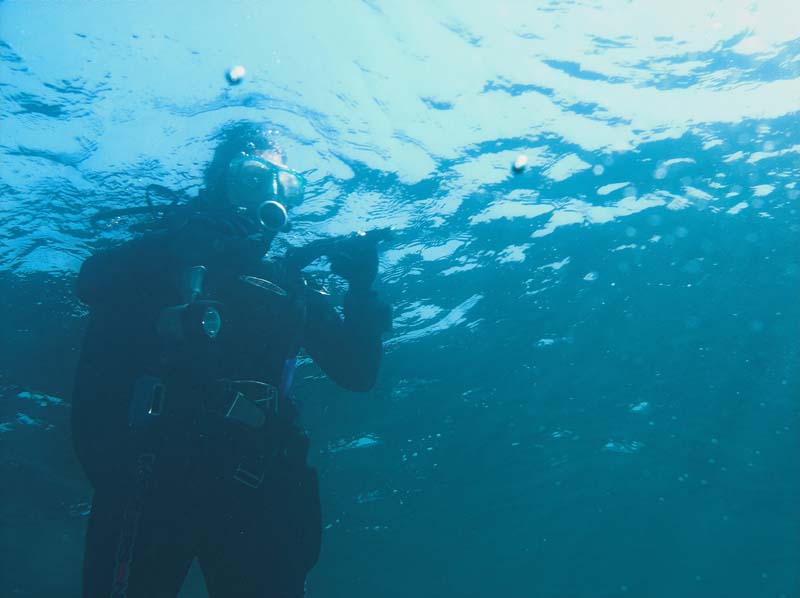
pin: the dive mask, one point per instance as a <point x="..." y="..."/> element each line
<point x="264" y="189"/>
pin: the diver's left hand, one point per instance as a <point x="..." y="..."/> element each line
<point x="356" y="260"/>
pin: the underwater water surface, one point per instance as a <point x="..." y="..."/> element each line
<point x="592" y="386"/>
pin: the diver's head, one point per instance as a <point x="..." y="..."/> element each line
<point x="261" y="186"/>
<point x="248" y="175"/>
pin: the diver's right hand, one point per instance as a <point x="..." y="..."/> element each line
<point x="355" y="259"/>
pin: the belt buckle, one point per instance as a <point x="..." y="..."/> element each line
<point x="245" y="411"/>
<point x="252" y="402"/>
<point x="247" y="477"/>
<point x="259" y="393"/>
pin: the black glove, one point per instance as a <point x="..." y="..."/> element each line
<point x="355" y="259"/>
<point x="368" y="311"/>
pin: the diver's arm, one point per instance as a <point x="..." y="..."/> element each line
<point x="348" y="349"/>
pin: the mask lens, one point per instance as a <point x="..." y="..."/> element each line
<point x="257" y="180"/>
<point x="290" y="185"/>
<point x="255" y="177"/>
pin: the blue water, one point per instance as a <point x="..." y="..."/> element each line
<point x="591" y="389"/>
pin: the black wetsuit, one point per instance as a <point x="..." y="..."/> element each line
<point x="176" y="474"/>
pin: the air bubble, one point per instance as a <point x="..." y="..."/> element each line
<point x="520" y="164"/>
<point x="235" y="74"/>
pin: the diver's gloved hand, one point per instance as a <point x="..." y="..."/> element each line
<point x="355" y="259"/>
<point x="367" y="312"/>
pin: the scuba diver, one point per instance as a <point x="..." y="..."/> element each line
<point x="182" y="416"/>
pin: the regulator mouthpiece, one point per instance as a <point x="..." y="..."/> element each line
<point x="273" y="216"/>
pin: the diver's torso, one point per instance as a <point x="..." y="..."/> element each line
<point x="260" y="326"/>
<point x="261" y="317"/>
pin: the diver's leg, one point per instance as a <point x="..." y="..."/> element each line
<point x="134" y="547"/>
<point x="102" y="536"/>
<point x="264" y="540"/>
